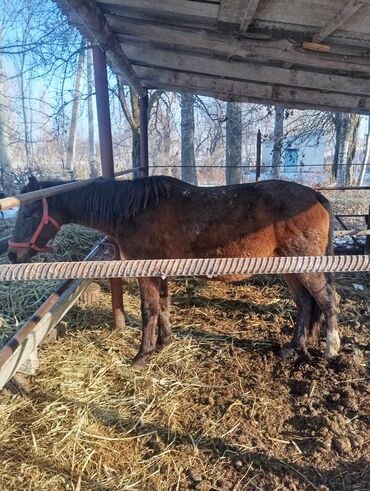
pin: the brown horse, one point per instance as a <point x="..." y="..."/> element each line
<point x="162" y="217"/>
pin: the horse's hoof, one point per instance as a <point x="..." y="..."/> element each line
<point x="332" y="344"/>
<point x="140" y="361"/>
<point x="138" y="364"/>
<point x="289" y="353"/>
<point x="160" y="346"/>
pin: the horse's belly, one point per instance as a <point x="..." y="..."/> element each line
<point x="228" y="278"/>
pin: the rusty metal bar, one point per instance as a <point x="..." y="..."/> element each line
<point x="207" y="267"/>
<point x="258" y="155"/>
<point x="144" y="156"/>
<point x="102" y="106"/>
<point x="124" y="172"/>
<point x="351" y="216"/>
<point x="342" y="188"/>
<point x="18" y="200"/>
<point x="367" y="243"/>
<point x="107" y="163"/>
<point x="352" y="233"/>
<point x="340" y="221"/>
<point x="4" y="244"/>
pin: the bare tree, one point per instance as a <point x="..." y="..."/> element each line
<point x="188" y="165"/>
<point x="278" y="141"/>
<point x="131" y="111"/>
<point x="90" y="116"/>
<point x="233" y="143"/>
<point x="5" y="163"/>
<point x="365" y="159"/>
<point x="71" y="145"/>
<point x="346" y="144"/>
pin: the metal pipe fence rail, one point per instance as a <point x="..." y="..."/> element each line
<point x="20" y="199"/>
<point x="206" y="267"/>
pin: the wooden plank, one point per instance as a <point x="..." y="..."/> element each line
<point x="213" y="43"/>
<point x="248" y="15"/>
<point x="342" y="17"/>
<point x="90" y="20"/>
<point x="316" y="47"/>
<point x="247" y="71"/>
<point x="236" y="90"/>
<point x="185" y="8"/>
<point x="308" y="14"/>
<point x="19" y="356"/>
<point x="230" y="11"/>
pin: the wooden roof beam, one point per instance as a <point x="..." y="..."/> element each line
<point x="252" y="50"/>
<point x="249" y="14"/>
<point x="339" y="20"/>
<point x="90" y="20"/>
<point x="204" y="65"/>
<point x="244" y="91"/>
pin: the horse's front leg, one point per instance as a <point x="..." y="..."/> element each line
<point x="164" y="329"/>
<point x="150" y="308"/>
<point x="304" y="303"/>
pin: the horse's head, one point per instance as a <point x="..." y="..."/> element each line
<point x="36" y="225"/>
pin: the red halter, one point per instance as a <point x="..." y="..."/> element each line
<point x="45" y="220"/>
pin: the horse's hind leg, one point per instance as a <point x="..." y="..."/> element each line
<point x="304" y="302"/>
<point x="149" y="292"/>
<point x="316" y="322"/>
<point x="164" y="329"/>
<point x="323" y="292"/>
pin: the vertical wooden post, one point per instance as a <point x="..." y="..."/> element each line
<point x="106" y="154"/>
<point x="258" y="156"/>
<point x="367" y="243"/>
<point x="144" y="156"/>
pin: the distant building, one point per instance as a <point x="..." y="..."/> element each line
<point x="300" y="157"/>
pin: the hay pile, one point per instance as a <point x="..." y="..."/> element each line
<point x="19" y="300"/>
<point x="216" y="410"/>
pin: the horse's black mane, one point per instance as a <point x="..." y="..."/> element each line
<point x="109" y="200"/>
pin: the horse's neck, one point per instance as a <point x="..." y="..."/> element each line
<point x="74" y="209"/>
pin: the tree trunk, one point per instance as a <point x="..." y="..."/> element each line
<point x="233" y="143"/>
<point x="90" y="113"/>
<point x="188" y="165"/>
<point x="135" y="108"/>
<point x="71" y="145"/>
<point x="350" y="169"/>
<point x="5" y="163"/>
<point x="278" y="141"/>
<point x="347" y="134"/>
<point x="27" y="139"/>
<point x="337" y="125"/>
<point x="361" y="177"/>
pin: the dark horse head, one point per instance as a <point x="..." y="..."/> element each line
<point x="36" y="225"/>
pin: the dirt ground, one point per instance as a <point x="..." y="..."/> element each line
<point x="216" y="410"/>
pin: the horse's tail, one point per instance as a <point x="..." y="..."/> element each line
<point x="329" y="251"/>
<point x="316" y="313"/>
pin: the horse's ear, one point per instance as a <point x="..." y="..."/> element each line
<point x="33" y="184"/>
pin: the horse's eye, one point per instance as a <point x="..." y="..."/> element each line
<point x="27" y="212"/>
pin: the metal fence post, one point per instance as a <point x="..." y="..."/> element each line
<point x="107" y="163"/>
<point x="258" y="156"/>
<point x="144" y="157"/>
